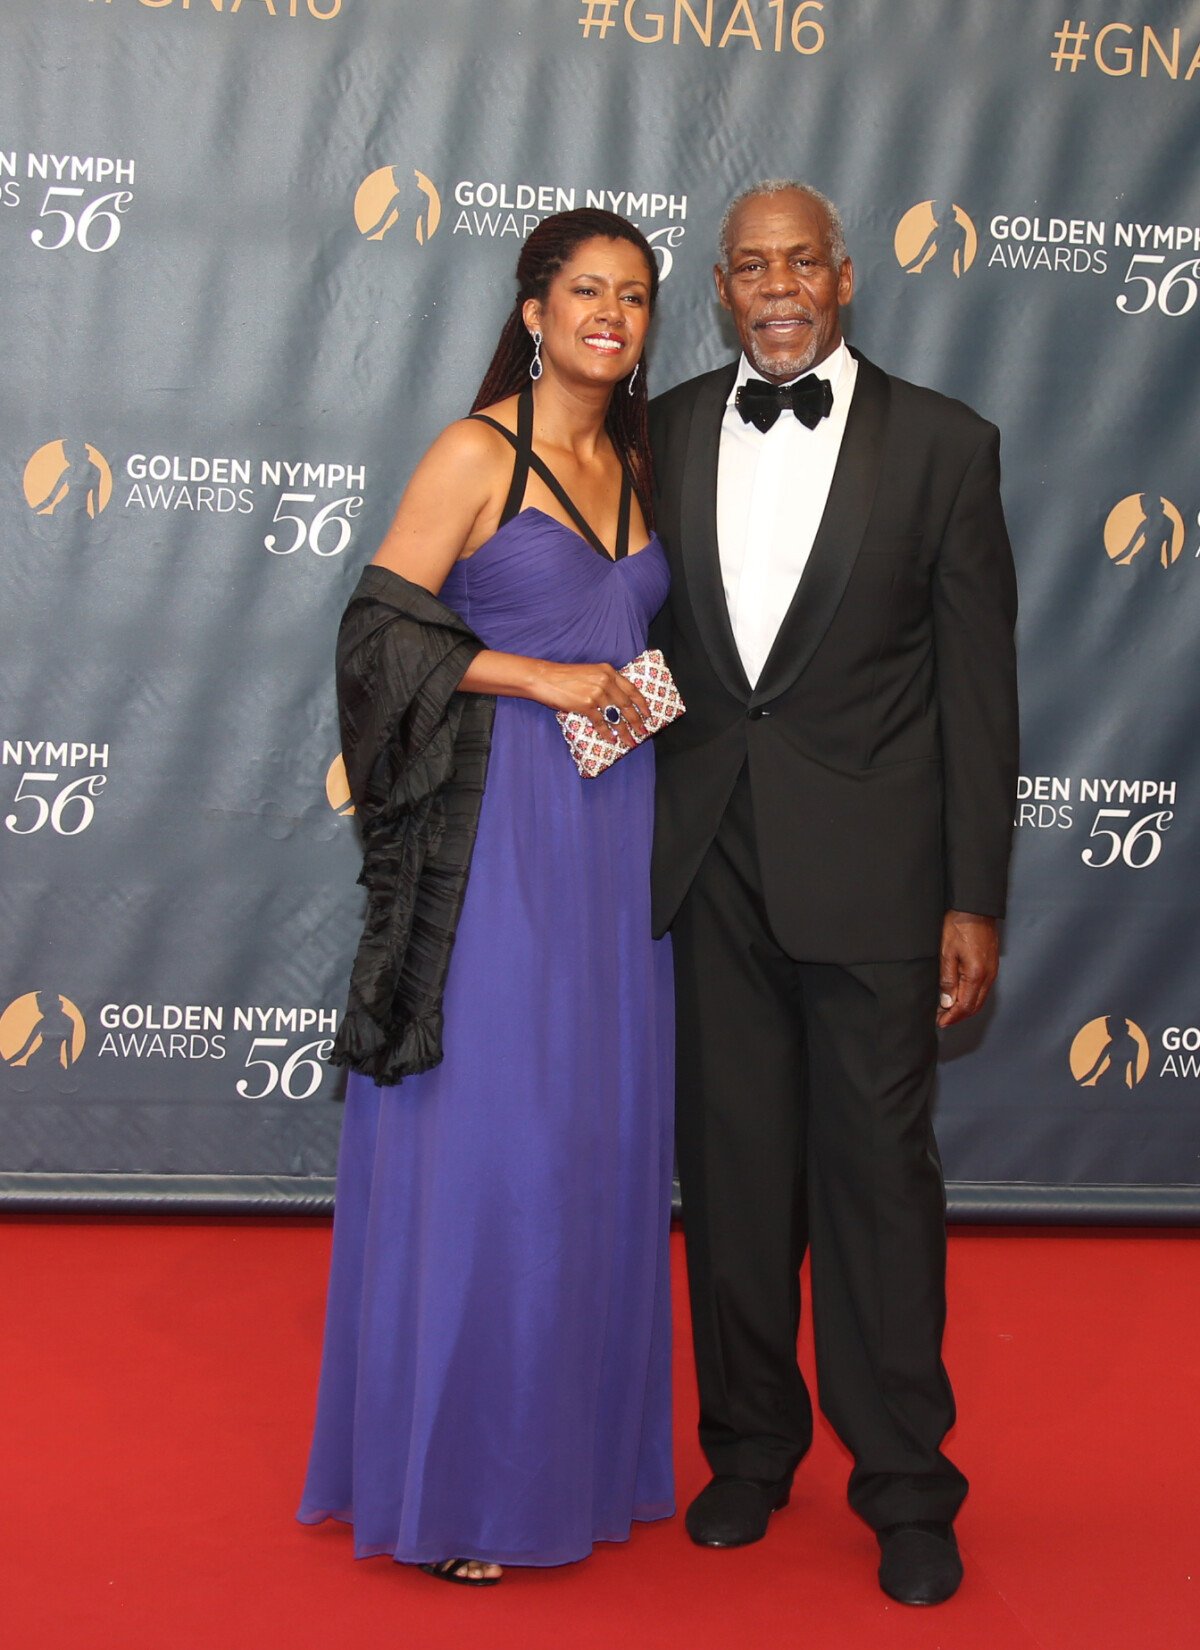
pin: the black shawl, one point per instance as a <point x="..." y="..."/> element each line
<point x="416" y="753"/>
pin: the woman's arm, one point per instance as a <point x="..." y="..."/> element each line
<point x="583" y="688"/>
<point x="450" y="507"/>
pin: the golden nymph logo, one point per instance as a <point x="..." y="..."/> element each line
<point x="379" y="203"/>
<point x="1144" y="527"/>
<point x="41" y="1029"/>
<point x="1110" y="1052"/>
<point x="337" y="788"/>
<point x="68" y="479"/>
<point x="935" y="235"/>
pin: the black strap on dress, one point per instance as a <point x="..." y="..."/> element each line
<point x="527" y="460"/>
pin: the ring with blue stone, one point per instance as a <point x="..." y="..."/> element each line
<point x="612" y="715"/>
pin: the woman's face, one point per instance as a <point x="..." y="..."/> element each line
<point x="596" y="313"/>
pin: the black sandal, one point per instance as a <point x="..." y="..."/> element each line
<point x="450" y="1569"/>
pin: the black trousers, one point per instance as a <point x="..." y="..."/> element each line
<point x="803" y="1112"/>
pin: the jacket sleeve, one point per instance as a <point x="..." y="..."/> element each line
<point x="975" y="610"/>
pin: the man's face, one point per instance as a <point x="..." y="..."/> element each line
<point x="781" y="285"/>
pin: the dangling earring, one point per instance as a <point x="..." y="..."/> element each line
<point x="535" y="366"/>
<point x="633" y="378"/>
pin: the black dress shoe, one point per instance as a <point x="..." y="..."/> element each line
<point x="919" y="1562"/>
<point x="733" y="1512"/>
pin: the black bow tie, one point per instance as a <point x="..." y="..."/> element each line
<point x="760" y="403"/>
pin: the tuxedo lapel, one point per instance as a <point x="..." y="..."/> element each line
<point x="838" y="538"/>
<point x="698" y="530"/>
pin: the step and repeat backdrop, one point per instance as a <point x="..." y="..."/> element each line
<point x="256" y="253"/>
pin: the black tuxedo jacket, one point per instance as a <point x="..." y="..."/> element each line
<point x="881" y="736"/>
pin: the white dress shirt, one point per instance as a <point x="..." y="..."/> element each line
<point x="772" y="488"/>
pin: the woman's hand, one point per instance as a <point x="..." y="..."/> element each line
<point x="587" y="690"/>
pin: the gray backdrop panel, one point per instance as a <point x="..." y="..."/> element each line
<point x="257" y="253"/>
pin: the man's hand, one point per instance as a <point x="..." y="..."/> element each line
<point x="969" y="963"/>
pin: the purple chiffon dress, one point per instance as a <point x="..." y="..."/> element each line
<point x="496" y="1374"/>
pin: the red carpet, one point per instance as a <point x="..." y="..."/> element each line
<point x="158" y="1384"/>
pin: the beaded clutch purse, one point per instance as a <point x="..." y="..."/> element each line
<point x="594" y="753"/>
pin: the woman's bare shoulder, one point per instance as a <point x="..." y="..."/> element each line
<point x="468" y="444"/>
<point x="504" y="412"/>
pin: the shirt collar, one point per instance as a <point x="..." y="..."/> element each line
<point x="833" y="368"/>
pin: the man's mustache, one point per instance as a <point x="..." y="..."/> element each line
<point x="783" y="315"/>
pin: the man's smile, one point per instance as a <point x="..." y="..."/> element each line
<point x="782" y="326"/>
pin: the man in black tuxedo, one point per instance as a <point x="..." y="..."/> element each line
<point x="834" y="819"/>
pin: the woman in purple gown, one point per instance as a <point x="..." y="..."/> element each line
<point x="496" y="1378"/>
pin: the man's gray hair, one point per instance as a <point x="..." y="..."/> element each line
<point x="774" y="186"/>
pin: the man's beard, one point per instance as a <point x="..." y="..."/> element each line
<point x="778" y="368"/>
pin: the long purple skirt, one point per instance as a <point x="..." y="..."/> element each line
<point x="496" y="1374"/>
